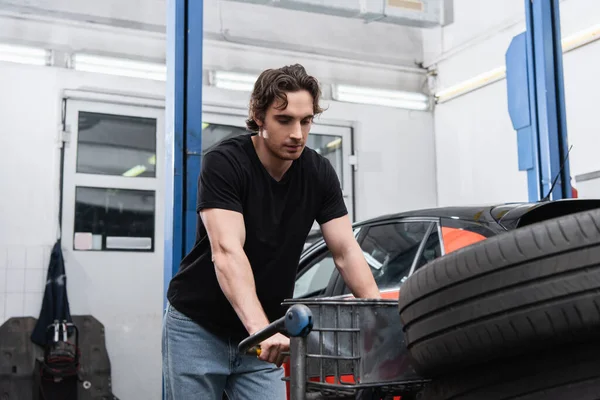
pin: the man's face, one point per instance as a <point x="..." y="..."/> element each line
<point x="285" y="130"/>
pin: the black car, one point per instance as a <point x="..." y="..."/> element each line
<point x="490" y="295"/>
<point x="396" y="245"/>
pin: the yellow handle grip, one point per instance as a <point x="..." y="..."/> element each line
<point x="255" y="351"/>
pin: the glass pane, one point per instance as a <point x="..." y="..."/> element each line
<point x="114" y="219"/>
<point x="458" y="234"/>
<point x="116" y="145"/>
<point x="327" y="145"/>
<point x="431" y="250"/>
<point x="390" y="250"/>
<point x="213" y="134"/>
<point x="315" y="280"/>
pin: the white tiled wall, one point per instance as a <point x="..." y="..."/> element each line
<point x="23" y="271"/>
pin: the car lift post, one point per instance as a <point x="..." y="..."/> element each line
<point x="183" y="129"/>
<point x="536" y="101"/>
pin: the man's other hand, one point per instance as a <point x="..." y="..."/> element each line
<point x="271" y="349"/>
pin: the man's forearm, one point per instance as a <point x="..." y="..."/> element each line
<point x="356" y="273"/>
<point x="237" y="282"/>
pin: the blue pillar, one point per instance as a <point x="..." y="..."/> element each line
<point x="183" y="134"/>
<point x="536" y="101"/>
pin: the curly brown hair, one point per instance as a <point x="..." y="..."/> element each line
<point x="273" y="84"/>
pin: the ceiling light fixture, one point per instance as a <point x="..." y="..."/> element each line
<point x="232" y="80"/>
<point x="569" y="43"/>
<point x="581" y="38"/>
<point x="119" y="66"/>
<point x="469" y="85"/>
<point x="381" y="97"/>
<point x="135" y="171"/>
<point x="24" y="54"/>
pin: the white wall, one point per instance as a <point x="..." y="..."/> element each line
<point x="31" y="115"/>
<point x="475" y="142"/>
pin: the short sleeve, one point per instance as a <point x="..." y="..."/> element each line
<point x="332" y="199"/>
<point x="219" y="184"/>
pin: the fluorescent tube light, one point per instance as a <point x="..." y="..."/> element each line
<point x="120" y="66"/>
<point x="581" y="38"/>
<point x="24" y="54"/>
<point x="389" y="98"/>
<point x="568" y="44"/>
<point x="135" y="171"/>
<point x="334" y="143"/>
<point x="232" y="80"/>
<point x="471" y="84"/>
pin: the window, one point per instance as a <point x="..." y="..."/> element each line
<point x="390" y="250"/>
<point x="116" y="145"/>
<point x="329" y="147"/>
<point x="458" y="234"/>
<point x="213" y="134"/>
<point x="431" y="250"/>
<point x="114" y="219"/>
<point x="316" y="277"/>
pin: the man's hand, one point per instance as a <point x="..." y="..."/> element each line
<point x="349" y="258"/>
<point x="271" y="349"/>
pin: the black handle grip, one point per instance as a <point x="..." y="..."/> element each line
<point x="265" y="333"/>
<point x="296" y="322"/>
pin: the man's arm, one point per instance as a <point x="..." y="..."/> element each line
<point x="349" y="258"/>
<point x="227" y="234"/>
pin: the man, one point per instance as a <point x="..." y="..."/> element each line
<point x="258" y="197"/>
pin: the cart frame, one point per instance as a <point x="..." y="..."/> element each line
<point x="344" y="349"/>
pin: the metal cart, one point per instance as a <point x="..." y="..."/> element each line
<point x="344" y="349"/>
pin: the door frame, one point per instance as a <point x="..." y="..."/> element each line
<point x="71" y="179"/>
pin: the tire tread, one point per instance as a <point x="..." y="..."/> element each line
<point x="540" y="281"/>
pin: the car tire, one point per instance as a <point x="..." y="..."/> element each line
<point x="572" y="372"/>
<point x="531" y="288"/>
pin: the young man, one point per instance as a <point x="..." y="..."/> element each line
<point x="258" y="197"/>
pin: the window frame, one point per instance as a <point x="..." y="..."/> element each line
<point x="158" y="162"/>
<point x="106" y="249"/>
<point x="74" y="179"/>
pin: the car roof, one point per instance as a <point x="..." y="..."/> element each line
<point x="466" y="213"/>
<point x="505" y="214"/>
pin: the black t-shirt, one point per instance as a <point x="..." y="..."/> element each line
<point x="278" y="217"/>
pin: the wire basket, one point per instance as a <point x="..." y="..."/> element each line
<point x="356" y="344"/>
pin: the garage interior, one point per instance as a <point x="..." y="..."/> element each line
<point x="430" y="105"/>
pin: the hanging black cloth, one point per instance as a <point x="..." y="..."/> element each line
<point x="55" y="305"/>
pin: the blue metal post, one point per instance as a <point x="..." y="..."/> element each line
<point x="183" y="136"/>
<point x="193" y="128"/>
<point x="550" y="94"/>
<point x="536" y="102"/>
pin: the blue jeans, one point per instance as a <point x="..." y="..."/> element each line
<point x="199" y="365"/>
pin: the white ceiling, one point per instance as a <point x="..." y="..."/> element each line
<point x="223" y="21"/>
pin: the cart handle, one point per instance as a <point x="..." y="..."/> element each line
<point x="297" y="322"/>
